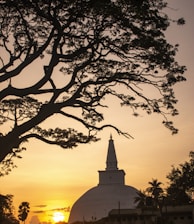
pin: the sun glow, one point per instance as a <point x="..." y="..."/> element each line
<point x="58" y="217"/>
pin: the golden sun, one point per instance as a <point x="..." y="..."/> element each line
<point x="58" y="217"/>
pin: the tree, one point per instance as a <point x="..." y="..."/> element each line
<point x="140" y="199"/>
<point x="181" y="186"/>
<point x="64" y="58"/>
<point x="156" y="198"/>
<point x="23" y="211"/>
<point x="6" y="210"/>
<point x="156" y="192"/>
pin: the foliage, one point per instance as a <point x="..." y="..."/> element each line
<point x="181" y="185"/>
<point x="141" y="199"/>
<point x="6" y="210"/>
<point x="152" y="196"/>
<point x="62" y="58"/>
<point x="156" y="191"/>
<point x="23" y="211"/>
<point x="180" y="189"/>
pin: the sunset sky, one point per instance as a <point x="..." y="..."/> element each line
<point x="49" y="177"/>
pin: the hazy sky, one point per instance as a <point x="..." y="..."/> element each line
<point x="49" y="177"/>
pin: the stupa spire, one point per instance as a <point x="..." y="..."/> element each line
<point x="111" y="160"/>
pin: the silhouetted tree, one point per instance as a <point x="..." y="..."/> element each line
<point x="156" y="191"/>
<point x="157" y="197"/>
<point x="140" y="199"/>
<point x="181" y="186"/>
<point x="23" y="211"/>
<point x="63" y="58"/>
<point x="6" y="210"/>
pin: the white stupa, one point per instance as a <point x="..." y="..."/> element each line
<point x="110" y="193"/>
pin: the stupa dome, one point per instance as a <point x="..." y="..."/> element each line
<point x="110" y="193"/>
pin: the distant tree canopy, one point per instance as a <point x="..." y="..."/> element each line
<point x="152" y="196"/>
<point x="6" y="210"/>
<point x="23" y="211"/>
<point x="181" y="182"/>
<point x="63" y="58"/>
<point x="180" y="189"/>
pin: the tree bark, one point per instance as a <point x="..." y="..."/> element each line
<point x="7" y="143"/>
<point x="12" y="139"/>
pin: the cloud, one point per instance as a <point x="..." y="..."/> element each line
<point x="39" y="211"/>
<point x="40" y="206"/>
<point x="65" y="209"/>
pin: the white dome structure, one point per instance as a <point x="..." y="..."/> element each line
<point x="110" y="193"/>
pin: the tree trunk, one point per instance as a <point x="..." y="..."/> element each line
<point x="12" y="139"/>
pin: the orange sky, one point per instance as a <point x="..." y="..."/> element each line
<point x="49" y="177"/>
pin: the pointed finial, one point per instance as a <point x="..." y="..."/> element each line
<point x="111" y="159"/>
